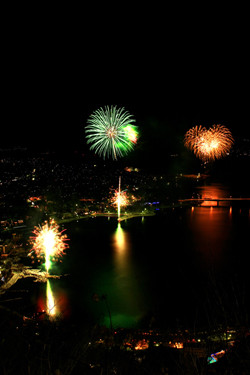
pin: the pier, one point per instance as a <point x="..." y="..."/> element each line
<point x="208" y="200"/>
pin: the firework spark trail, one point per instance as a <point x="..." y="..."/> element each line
<point x="111" y="132"/>
<point x="48" y="243"/>
<point x="119" y="199"/>
<point x="210" y="144"/>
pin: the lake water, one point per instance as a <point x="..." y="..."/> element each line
<point x="186" y="266"/>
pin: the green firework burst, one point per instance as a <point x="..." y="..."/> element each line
<point x="107" y="132"/>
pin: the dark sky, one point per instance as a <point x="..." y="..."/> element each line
<point x="52" y="114"/>
<point x="179" y="65"/>
<point x="168" y="83"/>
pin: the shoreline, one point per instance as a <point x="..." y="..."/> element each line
<point x="110" y="215"/>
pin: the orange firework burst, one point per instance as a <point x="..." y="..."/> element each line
<point x="210" y="144"/>
<point x="120" y="199"/>
<point x="48" y="243"/>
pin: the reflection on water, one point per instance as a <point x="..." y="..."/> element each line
<point x="156" y="267"/>
<point x="50" y="301"/>
<point x="210" y="230"/>
<point x="53" y="300"/>
<point x="210" y="226"/>
<point x="125" y="307"/>
<point x="121" y="240"/>
<point x="214" y="191"/>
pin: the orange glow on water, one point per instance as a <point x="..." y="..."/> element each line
<point x="209" y="204"/>
<point x="211" y="225"/>
<point x="212" y="192"/>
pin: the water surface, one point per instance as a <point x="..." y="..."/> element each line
<point x="187" y="266"/>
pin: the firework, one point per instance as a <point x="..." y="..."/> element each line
<point x="48" y="243"/>
<point x="111" y="132"/>
<point x="193" y="136"/>
<point x="210" y="144"/>
<point x="119" y="199"/>
<point x="131" y="133"/>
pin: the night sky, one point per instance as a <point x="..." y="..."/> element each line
<point x="178" y="66"/>
<point x="47" y="97"/>
<point x="50" y="117"/>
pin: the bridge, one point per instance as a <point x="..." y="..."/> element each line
<point x="218" y="200"/>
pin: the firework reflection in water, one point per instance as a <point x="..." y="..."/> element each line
<point x="50" y="301"/>
<point x="53" y="301"/>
